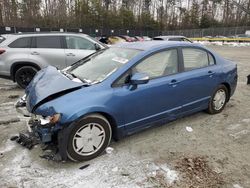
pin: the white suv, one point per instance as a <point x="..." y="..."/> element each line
<point x="22" y="55"/>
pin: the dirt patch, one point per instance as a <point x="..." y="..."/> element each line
<point x="196" y="172"/>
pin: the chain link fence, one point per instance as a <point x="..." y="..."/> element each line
<point x="223" y="31"/>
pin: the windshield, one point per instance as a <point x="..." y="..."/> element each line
<point x="101" y="65"/>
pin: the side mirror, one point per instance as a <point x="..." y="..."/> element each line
<point x="139" y="78"/>
<point x="97" y="47"/>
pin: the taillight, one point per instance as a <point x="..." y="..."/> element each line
<point x="2" y="51"/>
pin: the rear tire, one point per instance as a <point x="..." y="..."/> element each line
<point x="89" y="138"/>
<point x="24" y="75"/>
<point x="218" y="100"/>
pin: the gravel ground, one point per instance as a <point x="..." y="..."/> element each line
<point x="212" y="152"/>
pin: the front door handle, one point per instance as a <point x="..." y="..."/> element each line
<point x="174" y="82"/>
<point x="211" y="73"/>
<point x="70" y="54"/>
<point x="34" y="53"/>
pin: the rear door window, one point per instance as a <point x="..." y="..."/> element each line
<point x="196" y="58"/>
<point x="48" y="42"/>
<point x="23" y="42"/>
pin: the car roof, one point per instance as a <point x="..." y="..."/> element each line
<point x="45" y="33"/>
<point x="147" y="45"/>
<point x="170" y="36"/>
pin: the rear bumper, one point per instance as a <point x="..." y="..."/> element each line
<point x="234" y="85"/>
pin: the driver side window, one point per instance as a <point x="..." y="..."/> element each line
<point x="157" y="65"/>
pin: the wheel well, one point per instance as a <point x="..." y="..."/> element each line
<point x="228" y="88"/>
<point x="112" y="122"/>
<point x="18" y="65"/>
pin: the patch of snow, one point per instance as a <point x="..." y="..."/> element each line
<point x="24" y="169"/>
<point x="237" y="186"/>
<point x="234" y="126"/>
<point x="7" y="104"/>
<point x="171" y="175"/>
<point x="220" y="43"/>
<point x="246" y="120"/>
<point x="115" y="169"/>
<point x="152" y="168"/>
<point x="9" y="145"/>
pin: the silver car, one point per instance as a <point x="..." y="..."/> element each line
<point x="22" y="55"/>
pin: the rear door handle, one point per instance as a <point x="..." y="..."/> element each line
<point x="70" y="54"/>
<point x="34" y="53"/>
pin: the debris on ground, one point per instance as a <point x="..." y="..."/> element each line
<point x="51" y="157"/>
<point x="8" y="121"/>
<point x="171" y="175"/>
<point x="189" y="129"/>
<point x="6" y="88"/>
<point x="27" y="140"/>
<point x="158" y="180"/>
<point x="109" y="150"/>
<point x="197" y="173"/>
<point x="159" y="175"/>
<point x="125" y="173"/>
<point x="239" y="134"/>
<point x="13" y="96"/>
<point x="13" y="138"/>
<point x="115" y="169"/>
<point x="84" y="166"/>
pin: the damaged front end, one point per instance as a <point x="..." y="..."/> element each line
<point x="40" y="130"/>
<point x="42" y="106"/>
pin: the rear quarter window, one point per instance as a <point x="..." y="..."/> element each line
<point x="23" y="42"/>
<point x="211" y="59"/>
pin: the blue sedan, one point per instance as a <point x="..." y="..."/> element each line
<point x="124" y="89"/>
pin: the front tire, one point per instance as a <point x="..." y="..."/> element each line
<point x="24" y="75"/>
<point x="89" y="138"/>
<point x="218" y="100"/>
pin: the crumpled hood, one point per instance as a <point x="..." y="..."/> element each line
<point x="46" y="85"/>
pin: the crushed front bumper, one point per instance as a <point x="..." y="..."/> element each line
<point x="37" y="125"/>
<point x="41" y="131"/>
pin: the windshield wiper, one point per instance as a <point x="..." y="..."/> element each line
<point x="87" y="58"/>
<point x="84" y="80"/>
